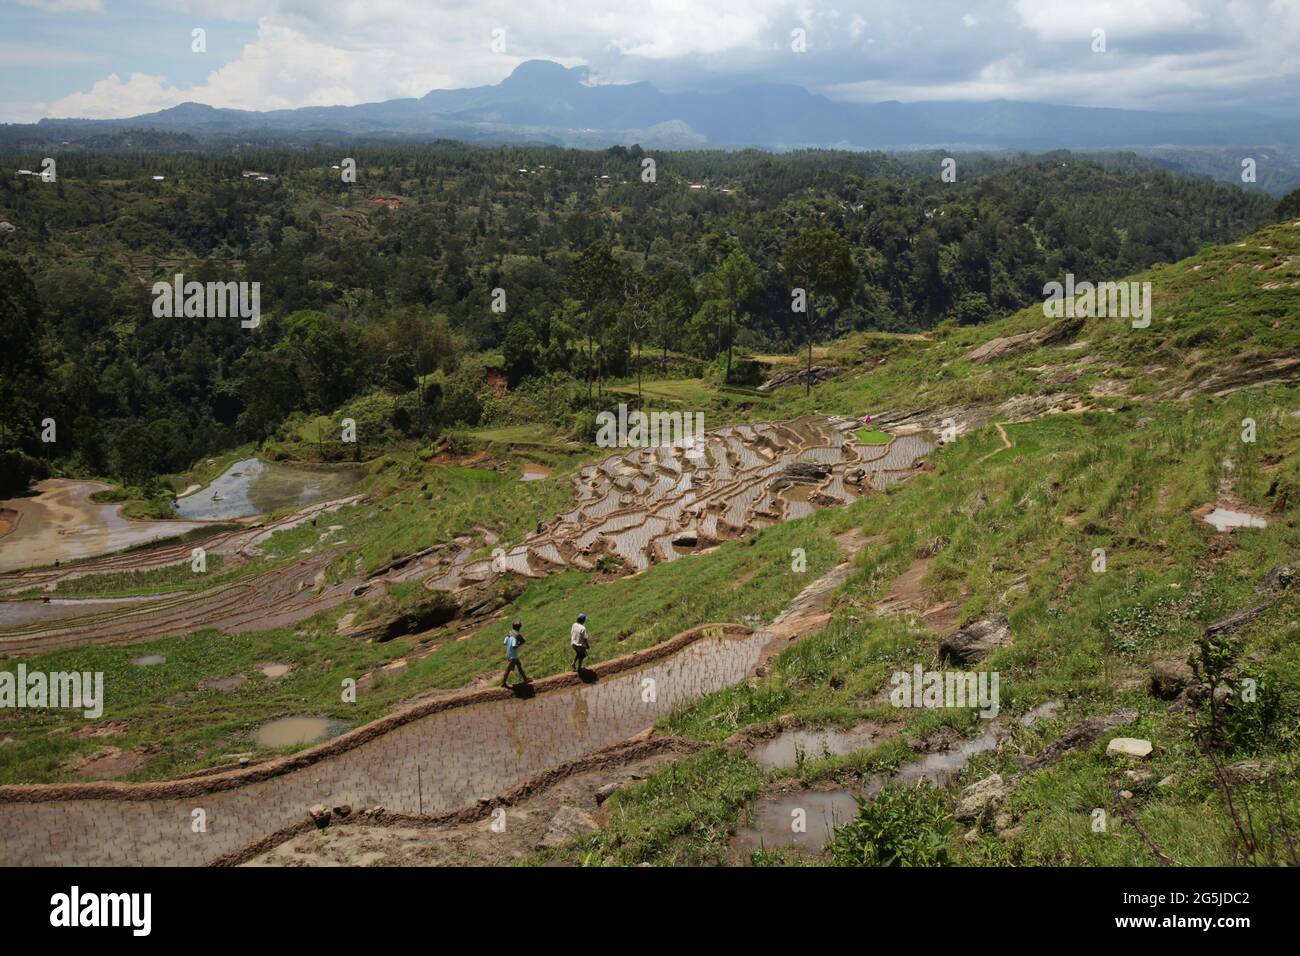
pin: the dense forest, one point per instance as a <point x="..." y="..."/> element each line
<point x="392" y="295"/>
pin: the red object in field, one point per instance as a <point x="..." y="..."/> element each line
<point x="45" y="599"/>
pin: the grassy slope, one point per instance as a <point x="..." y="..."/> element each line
<point x="1021" y="522"/>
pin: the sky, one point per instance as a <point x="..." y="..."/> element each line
<point x="117" y="58"/>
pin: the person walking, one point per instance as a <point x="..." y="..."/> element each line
<point x="514" y="640"/>
<point x="580" y="640"/>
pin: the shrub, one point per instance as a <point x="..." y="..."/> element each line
<point x="902" y="826"/>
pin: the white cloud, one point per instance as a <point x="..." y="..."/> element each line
<point x="111" y="98"/>
<point x="1071" y="19"/>
<point x="65" y="6"/>
<point x="304" y="54"/>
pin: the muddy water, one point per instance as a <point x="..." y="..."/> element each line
<point x="823" y="813"/>
<point x="61" y="523"/>
<point x="1225" y="520"/>
<point x="784" y="749"/>
<point x="827" y="810"/>
<point x="534" y="472"/>
<point x="292" y="731"/>
<point x="254" y="487"/>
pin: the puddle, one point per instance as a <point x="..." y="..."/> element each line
<point x="254" y="487"/>
<point x="784" y="749"/>
<point x="775" y="815"/>
<point x="61" y="523"/>
<point x="940" y="768"/>
<point x="1225" y="520"/>
<point x="534" y="472"/>
<point x="826" y="810"/>
<point x="290" y="731"/>
<point x="223" y="684"/>
<point x="274" y="671"/>
<point x="148" y="660"/>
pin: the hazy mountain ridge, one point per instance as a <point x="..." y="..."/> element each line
<point x="544" y="101"/>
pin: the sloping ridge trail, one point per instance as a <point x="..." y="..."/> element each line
<point x="441" y="755"/>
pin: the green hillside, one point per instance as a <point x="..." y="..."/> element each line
<point x="1100" y="438"/>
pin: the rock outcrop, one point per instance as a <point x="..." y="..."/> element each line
<point x="817" y="374"/>
<point x="974" y="642"/>
<point x="1055" y="334"/>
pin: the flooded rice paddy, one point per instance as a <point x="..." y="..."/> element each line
<point x="61" y="523"/>
<point x="254" y="487"/>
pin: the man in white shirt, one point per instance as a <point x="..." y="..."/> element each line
<point x="578" y="638"/>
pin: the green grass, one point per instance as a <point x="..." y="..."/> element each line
<point x="1084" y="639"/>
<point x="173" y="577"/>
<point x="867" y="436"/>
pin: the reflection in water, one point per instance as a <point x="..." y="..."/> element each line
<point x="61" y="523"/>
<point x="254" y="487"/>
<point x="291" y="731"/>
<point x="1225" y="520"/>
<point x="784" y="749"/>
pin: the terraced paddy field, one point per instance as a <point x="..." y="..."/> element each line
<point x="61" y="523"/>
<point x="1057" y="536"/>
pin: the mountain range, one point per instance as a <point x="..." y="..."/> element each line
<point x="545" y="102"/>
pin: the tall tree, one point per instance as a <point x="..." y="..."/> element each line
<point x="596" y="280"/>
<point x="734" y="280"/>
<point x="819" y="262"/>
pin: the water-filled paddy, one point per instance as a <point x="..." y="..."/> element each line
<point x="61" y="523"/>
<point x="254" y="487"/>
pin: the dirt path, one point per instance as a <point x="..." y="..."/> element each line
<point x="1006" y="442"/>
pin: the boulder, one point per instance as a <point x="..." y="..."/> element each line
<point x="569" y="823"/>
<point x="1134" y="747"/>
<point x="319" y="813"/>
<point x="1001" y="347"/>
<point x="1250" y="771"/>
<point x="805" y="471"/>
<point x="1169" y="678"/>
<point x="1236" y="621"/>
<point x="427" y="612"/>
<point x="1279" y="579"/>
<point x="1057" y="333"/>
<point x="976" y="641"/>
<point x="981" y="796"/>
<point x="1082" y="734"/>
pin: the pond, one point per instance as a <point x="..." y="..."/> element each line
<point x="61" y="523"/>
<point x="255" y="487"/>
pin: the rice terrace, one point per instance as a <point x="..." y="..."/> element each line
<point x="571" y="467"/>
